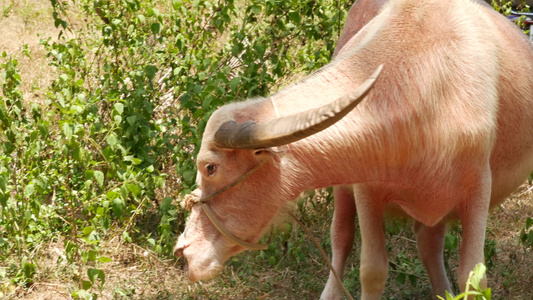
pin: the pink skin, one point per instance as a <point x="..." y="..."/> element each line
<point x="445" y="132"/>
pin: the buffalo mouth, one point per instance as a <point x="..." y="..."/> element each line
<point x="186" y="268"/>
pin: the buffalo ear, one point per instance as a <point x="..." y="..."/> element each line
<point x="263" y="152"/>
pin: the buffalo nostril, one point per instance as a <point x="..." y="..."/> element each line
<point x="178" y="251"/>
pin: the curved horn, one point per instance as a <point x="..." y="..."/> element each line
<point x="288" y="129"/>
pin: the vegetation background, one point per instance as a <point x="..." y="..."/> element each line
<point x="102" y="107"/>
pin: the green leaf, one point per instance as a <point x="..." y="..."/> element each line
<point x="67" y="130"/>
<point x="131" y="120"/>
<point x="256" y="9"/>
<point x="118" y="207"/>
<point x="234" y="83"/>
<point x="448" y="296"/>
<point x="413" y="280"/>
<point x="134" y="189"/>
<point x="202" y="76"/>
<point x="150" y="71"/>
<point x="87" y="230"/>
<point x="92" y="255"/>
<point x="189" y="176"/>
<point x="3" y="183"/>
<point x="272" y="261"/>
<point x="294" y="17"/>
<point x="28" y="269"/>
<point x="75" y="109"/>
<point x="479" y="273"/>
<point x="28" y="191"/>
<point x="3" y="199"/>
<point x="450" y="242"/>
<point x="104" y="259"/>
<point x="124" y="192"/>
<point x="126" y="237"/>
<point x="94" y="274"/>
<point x="112" y="140"/>
<point x="166" y="205"/>
<point x="111" y="195"/>
<point x="400" y="278"/>
<point x="86" y="285"/>
<point x="260" y="48"/>
<point x="175" y="3"/>
<point x="118" y="120"/>
<point x="99" y="176"/>
<point x="119" y="107"/>
<point x="487" y="294"/>
<point x="529" y="223"/>
<point x="156" y="28"/>
<point x="237" y="49"/>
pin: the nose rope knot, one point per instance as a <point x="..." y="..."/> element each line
<point x="189" y="201"/>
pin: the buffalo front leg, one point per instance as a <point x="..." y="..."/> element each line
<point x="430" y="242"/>
<point x="374" y="262"/>
<point x="342" y="237"/>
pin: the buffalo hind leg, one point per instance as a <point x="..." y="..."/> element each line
<point x="430" y="242"/>
<point x="473" y="213"/>
<point x="342" y="237"/>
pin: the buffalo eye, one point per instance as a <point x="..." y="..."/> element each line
<point x="211" y="169"/>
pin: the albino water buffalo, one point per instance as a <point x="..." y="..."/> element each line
<point x="444" y="131"/>
<point x="430" y="239"/>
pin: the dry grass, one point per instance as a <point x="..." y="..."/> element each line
<point x="512" y="275"/>
<point x="23" y="23"/>
<point x="137" y="273"/>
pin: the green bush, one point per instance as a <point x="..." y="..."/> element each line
<point x="113" y="141"/>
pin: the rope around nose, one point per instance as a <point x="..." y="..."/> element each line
<point x="191" y="200"/>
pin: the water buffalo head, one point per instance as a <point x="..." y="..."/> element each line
<point x="241" y="181"/>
